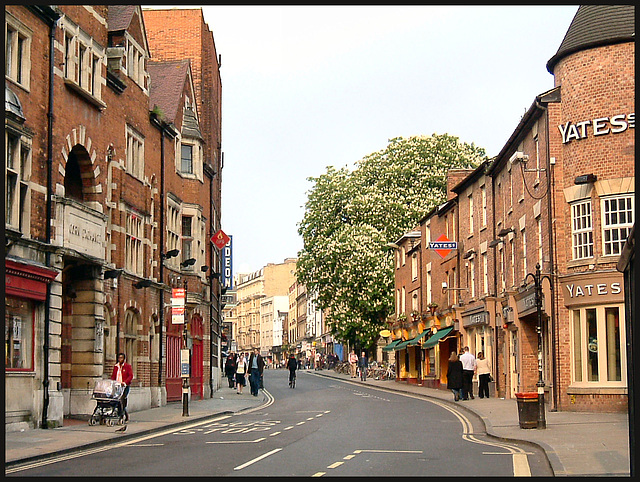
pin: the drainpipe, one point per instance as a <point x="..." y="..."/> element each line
<point x="495" y="283"/>
<point x="161" y="270"/>
<point x="53" y="20"/>
<point x="211" y="290"/>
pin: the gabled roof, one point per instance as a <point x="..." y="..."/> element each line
<point x="595" y="26"/>
<point x="119" y="18"/>
<point x="166" y="84"/>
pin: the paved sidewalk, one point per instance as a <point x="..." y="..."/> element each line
<point x="576" y="443"/>
<point x="34" y="444"/>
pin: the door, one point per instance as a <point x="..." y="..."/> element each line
<point x="513" y="362"/>
<point x="197" y="358"/>
<point x="174" y="381"/>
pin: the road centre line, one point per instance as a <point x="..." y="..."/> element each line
<point x="257" y="459"/>
<point x="334" y="465"/>
<point x="318" y="474"/>
<point x="274" y="433"/>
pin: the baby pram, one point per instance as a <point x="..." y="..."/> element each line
<point x="109" y="409"/>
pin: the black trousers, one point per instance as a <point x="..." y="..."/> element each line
<point x="483" y="385"/>
<point x="467" y="383"/>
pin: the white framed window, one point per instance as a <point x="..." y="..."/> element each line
<point x="472" y="277"/>
<point x="173" y="230"/>
<point x="617" y="220"/>
<point x="485" y="274"/>
<point x="483" y="192"/>
<point x="83" y="62"/>
<point x="429" y="294"/>
<point x="404" y="256"/>
<point x="414" y="301"/>
<point x="130" y="335"/>
<point x="598" y="345"/>
<point x="187" y="239"/>
<point x="186" y="158"/>
<point x="17" y="51"/>
<point x="133" y="247"/>
<point x="135" y="153"/>
<point x="512" y="250"/>
<point x="503" y="281"/>
<point x="523" y="237"/>
<point x="403" y="300"/>
<point x="414" y="267"/>
<point x="582" y="229"/>
<point x="539" y="225"/>
<point x="397" y="259"/>
<point x="470" y="213"/>
<point x="136" y="63"/>
<point x="17" y="176"/>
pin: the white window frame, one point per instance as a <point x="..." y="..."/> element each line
<point x="540" y="252"/>
<point x="136" y="63"/>
<point x="134" y="164"/>
<point x="483" y="192"/>
<point x="173" y="230"/>
<point x="523" y="237"/>
<point x="18" y="158"/>
<point x="470" y="196"/>
<point x="485" y="274"/>
<point x="134" y="244"/>
<point x="582" y="229"/>
<point x="414" y="267"/>
<point x="429" y="287"/>
<point x="17" y="38"/>
<point x="472" y="277"/>
<point x="187" y="239"/>
<point x="580" y="347"/>
<point x="610" y="246"/>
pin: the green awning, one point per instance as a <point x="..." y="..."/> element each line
<point x="417" y="339"/>
<point x="391" y="345"/>
<point x="401" y="346"/>
<point x="440" y="334"/>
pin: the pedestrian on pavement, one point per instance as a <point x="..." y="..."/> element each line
<point x="241" y="371"/>
<point x="454" y="375"/>
<point x="353" y="360"/>
<point x="292" y="365"/>
<point x="483" y="369"/>
<point x="468" y="369"/>
<point x="363" y="364"/>
<point x="230" y="369"/>
<point x="123" y="373"/>
<point x="256" y="366"/>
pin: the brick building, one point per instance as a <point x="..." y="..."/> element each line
<point x="559" y="197"/>
<point x="85" y="227"/>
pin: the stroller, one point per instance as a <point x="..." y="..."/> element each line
<point x="109" y="409"/>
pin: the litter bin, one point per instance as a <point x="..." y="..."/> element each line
<point x="527" y="409"/>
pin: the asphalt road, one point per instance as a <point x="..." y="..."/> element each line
<point x="323" y="427"/>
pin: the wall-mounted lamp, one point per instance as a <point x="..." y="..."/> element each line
<point x="495" y="242"/>
<point x="215" y="275"/>
<point x="392" y="245"/>
<point x="144" y="283"/>
<point x="204" y="269"/>
<point x="504" y="231"/>
<point x="171" y="254"/>
<point x="468" y="254"/>
<point x="188" y="262"/>
<point x="112" y="273"/>
<point x="518" y="156"/>
<point x="586" y="179"/>
<point x="445" y="288"/>
<point x="71" y="292"/>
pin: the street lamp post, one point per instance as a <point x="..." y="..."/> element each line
<point x="185" y="379"/>
<point x="537" y="280"/>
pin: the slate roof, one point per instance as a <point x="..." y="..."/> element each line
<point x="166" y="83"/>
<point x="119" y="17"/>
<point x="595" y="26"/>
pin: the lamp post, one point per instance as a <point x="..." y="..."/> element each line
<point x="537" y="280"/>
<point x="185" y="377"/>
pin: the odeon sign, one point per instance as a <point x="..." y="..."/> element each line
<point x="597" y="127"/>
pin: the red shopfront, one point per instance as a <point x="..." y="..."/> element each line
<point x="174" y="345"/>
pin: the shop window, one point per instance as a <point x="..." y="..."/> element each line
<point x="582" y="230"/>
<point x="18" y="331"/>
<point x="598" y="335"/>
<point x="17" y="175"/>
<point x="617" y="220"/>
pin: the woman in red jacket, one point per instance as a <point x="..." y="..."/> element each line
<point x="122" y="372"/>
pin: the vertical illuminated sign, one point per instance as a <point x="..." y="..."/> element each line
<point x="227" y="264"/>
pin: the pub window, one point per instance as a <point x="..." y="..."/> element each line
<point x="598" y="345"/>
<point x="617" y="220"/>
<point x="18" y="331"/>
<point x="581" y="230"/>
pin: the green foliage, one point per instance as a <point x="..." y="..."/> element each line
<point x="350" y="217"/>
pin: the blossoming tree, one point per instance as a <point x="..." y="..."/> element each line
<point x="351" y="216"/>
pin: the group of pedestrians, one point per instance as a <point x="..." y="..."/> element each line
<point x="358" y="365"/>
<point x="238" y="366"/>
<point x="461" y="371"/>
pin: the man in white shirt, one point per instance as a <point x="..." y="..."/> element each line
<point x="468" y="367"/>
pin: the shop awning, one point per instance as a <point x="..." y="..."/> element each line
<point x="440" y="334"/>
<point x="392" y="345"/>
<point x="401" y="346"/>
<point x="417" y="339"/>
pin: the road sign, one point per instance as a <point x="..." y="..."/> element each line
<point x="443" y="246"/>
<point x="177" y="306"/>
<point x="220" y="239"/>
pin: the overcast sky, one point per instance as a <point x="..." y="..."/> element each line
<point x="306" y="87"/>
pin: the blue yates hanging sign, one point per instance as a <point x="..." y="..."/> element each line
<point x="227" y="264"/>
<point x="597" y="127"/>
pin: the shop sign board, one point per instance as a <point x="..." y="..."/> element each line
<point x="597" y="127"/>
<point x="443" y="246"/>
<point x="184" y="363"/>
<point x="177" y="306"/>
<point x="227" y="264"/>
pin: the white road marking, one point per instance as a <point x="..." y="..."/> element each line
<point x="257" y="459"/>
<point x="521" y="466"/>
<point x="288" y="428"/>
<point x="318" y="474"/>
<point x="300" y="423"/>
<point x="274" y="433"/>
<point x="334" y="465"/>
<point x="236" y="441"/>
